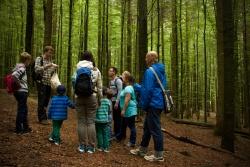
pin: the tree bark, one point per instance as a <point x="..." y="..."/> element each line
<point x="48" y="12"/>
<point x="29" y="27"/>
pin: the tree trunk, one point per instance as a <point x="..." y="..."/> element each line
<point x="123" y="7"/>
<point x="158" y="28"/>
<point x="174" y="59"/>
<point x="86" y="25"/>
<point x="142" y="35"/>
<point x="205" y="58"/>
<point x="69" y="65"/>
<point x="99" y="52"/>
<point x="246" y="55"/>
<point x="129" y="38"/>
<point x="29" y="27"/>
<point x="227" y="141"/>
<point x="48" y="8"/>
<point x="182" y="70"/>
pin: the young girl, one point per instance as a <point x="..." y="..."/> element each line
<point x="21" y="95"/>
<point x="58" y="113"/>
<point x="128" y="106"/>
<point x="102" y="121"/>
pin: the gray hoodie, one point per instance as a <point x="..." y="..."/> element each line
<point x="19" y="72"/>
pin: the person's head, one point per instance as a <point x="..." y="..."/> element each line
<point x="48" y="51"/>
<point x="107" y="93"/>
<point x="25" y="58"/>
<point x="88" y="56"/>
<point x="127" y="78"/>
<point x="112" y="71"/>
<point x="151" y="58"/>
<point x="60" y="90"/>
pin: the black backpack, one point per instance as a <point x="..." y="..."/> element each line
<point x="37" y="77"/>
<point x="84" y="85"/>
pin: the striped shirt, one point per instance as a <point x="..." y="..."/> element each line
<point x="47" y="73"/>
<point x="58" y="107"/>
<point x="103" y="111"/>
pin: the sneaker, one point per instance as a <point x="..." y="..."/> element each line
<point x="91" y="150"/>
<point x="44" y="122"/>
<point x="51" y="139"/>
<point x="106" y="150"/>
<point x="153" y="158"/>
<point x="56" y="143"/>
<point x="81" y="148"/>
<point x="99" y="149"/>
<point x="129" y="144"/>
<point x="138" y="152"/>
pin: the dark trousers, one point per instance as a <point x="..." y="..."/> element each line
<point x="55" y="135"/>
<point x="22" y="111"/>
<point x="117" y="119"/>
<point x="44" y="93"/>
<point x="130" y="123"/>
<point x="152" y="126"/>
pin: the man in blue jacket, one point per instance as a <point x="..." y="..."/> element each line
<point x="152" y="102"/>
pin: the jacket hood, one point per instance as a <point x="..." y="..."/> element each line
<point x="19" y="65"/>
<point x="84" y="63"/>
<point x="159" y="67"/>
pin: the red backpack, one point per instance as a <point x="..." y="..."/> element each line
<point x="11" y="83"/>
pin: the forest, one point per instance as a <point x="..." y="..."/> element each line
<point x="204" y="44"/>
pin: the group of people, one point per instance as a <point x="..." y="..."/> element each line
<point x="114" y="105"/>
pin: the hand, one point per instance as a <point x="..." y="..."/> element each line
<point x="48" y="66"/>
<point x="116" y="105"/>
<point x="122" y="113"/>
<point x="54" y="65"/>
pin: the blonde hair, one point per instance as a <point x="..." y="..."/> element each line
<point x="153" y="55"/>
<point x="24" y="56"/>
<point x="128" y="77"/>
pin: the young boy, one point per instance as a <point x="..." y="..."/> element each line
<point x="21" y="95"/>
<point x="103" y="121"/>
<point x="58" y="113"/>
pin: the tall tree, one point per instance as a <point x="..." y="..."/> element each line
<point x="69" y="65"/>
<point x="123" y="7"/>
<point x="174" y="58"/>
<point x="48" y="12"/>
<point x="29" y="27"/>
<point x="205" y="58"/>
<point x="246" y="55"/>
<point x="86" y="25"/>
<point x="129" y="37"/>
<point x="227" y="141"/>
<point x="142" y="35"/>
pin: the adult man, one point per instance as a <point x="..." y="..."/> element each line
<point x="44" y="67"/>
<point x="115" y="84"/>
<point x="152" y="102"/>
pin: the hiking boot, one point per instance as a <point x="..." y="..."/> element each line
<point x="44" y="122"/>
<point x="91" y="150"/>
<point x="129" y="144"/>
<point x="153" y="158"/>
<point x="81" y="148"/>
<point x="138" y="152"/>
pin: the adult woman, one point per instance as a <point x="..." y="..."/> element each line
<point x="86" y="106"/>
<point x="128" y="107"/>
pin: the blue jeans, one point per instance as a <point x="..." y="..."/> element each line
<point x="130" y="122"/>
<point x="22" y="111"/>
<point x="152" y="126"/>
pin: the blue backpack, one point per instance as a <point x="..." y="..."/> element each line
<point x="83" y="84"/>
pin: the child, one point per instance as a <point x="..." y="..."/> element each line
<point x="58" y="112"/>
<point x="21" y="95"/>
<point x="102" y="121"/>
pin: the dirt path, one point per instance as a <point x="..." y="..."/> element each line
<point x="34" y="149"/>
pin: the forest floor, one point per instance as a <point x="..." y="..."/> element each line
<point x="33" y="149"/>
